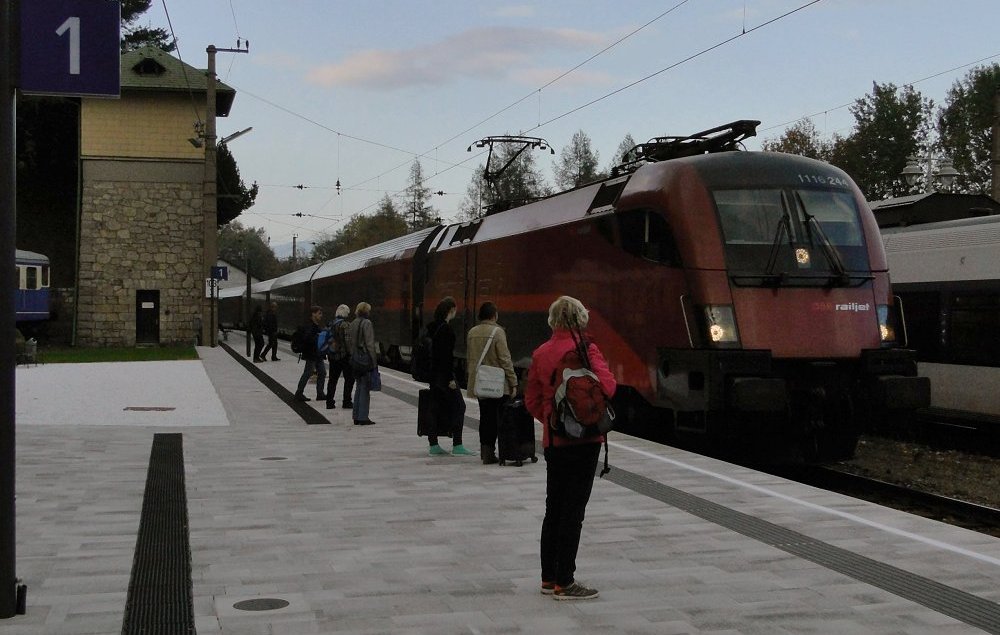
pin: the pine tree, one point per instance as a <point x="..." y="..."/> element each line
<point x="577" y="163"/>
<point x="420" y="212"/>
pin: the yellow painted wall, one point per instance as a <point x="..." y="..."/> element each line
<point x="141" y="125"/>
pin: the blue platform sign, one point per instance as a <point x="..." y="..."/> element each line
<point x="71" y="47"/>
<point x="220" y="273"/>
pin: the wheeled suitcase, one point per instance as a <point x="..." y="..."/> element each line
<point x="427" y="418"/>
<point x="515" y="434"/>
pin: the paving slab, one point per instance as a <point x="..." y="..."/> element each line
<point x="360" y="531"/>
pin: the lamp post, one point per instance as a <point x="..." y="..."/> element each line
<point x="930" y="169"/>
<point x="246" y="305"/>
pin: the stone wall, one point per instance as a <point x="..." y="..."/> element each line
<point x="141" y="228"/>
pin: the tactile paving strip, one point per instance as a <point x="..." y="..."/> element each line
<point x="159" y="590"/>
<point x="944" y="599"/>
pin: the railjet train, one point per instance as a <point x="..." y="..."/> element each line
<point x="741" y="298"/>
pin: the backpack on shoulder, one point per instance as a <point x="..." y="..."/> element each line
<point x="299" y="339"/>
<point x="422" y="364"/>
<point x="337" y="345"/>
<point x="581" y="409"/>
<point x="323" y="341"/>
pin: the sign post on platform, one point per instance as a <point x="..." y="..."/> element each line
<point x="8" y="285"/>
<point x="68" y="48"/>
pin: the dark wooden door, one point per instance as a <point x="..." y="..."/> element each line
<point x="147" y="317"/>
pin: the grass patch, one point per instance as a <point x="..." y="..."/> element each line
<point x="69" y="355"/>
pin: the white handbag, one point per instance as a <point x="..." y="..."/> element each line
<point x="490" y="380"/>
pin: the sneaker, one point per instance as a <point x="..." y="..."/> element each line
<point x="548" y="588"/>
<point x="275" y="359"/>
<point x="347" y="405"/>
<point x="365" y="422"/>
<point x="299" y="397"/>
<point x="575" y="591"/>
<point x="437" y="450"/>
<point x="460" y="450"/>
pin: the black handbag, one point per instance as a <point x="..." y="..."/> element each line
<point x="427" y="416"/>
<point x="361" y="362"/>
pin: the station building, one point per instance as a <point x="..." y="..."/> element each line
<point x="146" y="243"/>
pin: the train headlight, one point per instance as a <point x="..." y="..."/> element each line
<point x="886" y="324"/>
<point x="720" y="325"/>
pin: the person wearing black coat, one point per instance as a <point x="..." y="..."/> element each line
<point x="448" y="403"/>
<point x="257" y="331"/>
<point x="312" y="358"/>
<point x="271" y="331"/>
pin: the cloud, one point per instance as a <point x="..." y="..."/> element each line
<point x="277" y="59"/>
<point x="514" y="11"/>
<point x="494" y="52"/>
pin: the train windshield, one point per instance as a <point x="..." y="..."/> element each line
<point x="793" y="237"/>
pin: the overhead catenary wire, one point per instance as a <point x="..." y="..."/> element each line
<point x="913" y="83"/>
<point x="481" y="122"/>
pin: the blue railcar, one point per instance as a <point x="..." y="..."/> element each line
<point x="31" y="300"/>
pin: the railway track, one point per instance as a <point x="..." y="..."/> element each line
<point x="949" y="510"/>
<point x="945" y="429"/>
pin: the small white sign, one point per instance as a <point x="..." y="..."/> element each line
<point x="210" y="287"/>
<point x="148" y="305"/>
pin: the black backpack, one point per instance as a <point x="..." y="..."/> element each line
<point x="422" y="365"/>
<point x="299" y="340"/>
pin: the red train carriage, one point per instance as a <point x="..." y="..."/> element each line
<point x="744" y="296"/>
<point x="381" y="275"/>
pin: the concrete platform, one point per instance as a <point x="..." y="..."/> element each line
<point x="360" y="531"/>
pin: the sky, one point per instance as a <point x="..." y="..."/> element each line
<point x="357" y="91"/>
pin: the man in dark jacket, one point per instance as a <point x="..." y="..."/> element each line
<point x="311" y="356"/>
<point x="271" y="331"/>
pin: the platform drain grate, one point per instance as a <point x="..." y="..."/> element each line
<point x="159" y="591"/>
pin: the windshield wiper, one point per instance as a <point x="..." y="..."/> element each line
<point x="831" y="253"/>
<point x="785" y="224"/>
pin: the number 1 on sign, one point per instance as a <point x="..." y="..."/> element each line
<point x="73" y="26"/>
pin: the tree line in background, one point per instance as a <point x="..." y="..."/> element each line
<point x="890" y="124"/>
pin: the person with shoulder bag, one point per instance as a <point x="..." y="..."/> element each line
<point x="448" y="404"/>
<point x="491" y="379"/>
<point x="361" y="348"/>
<point x="570" y="462"/>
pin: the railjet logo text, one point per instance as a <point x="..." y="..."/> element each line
<point x="851" y="307"/>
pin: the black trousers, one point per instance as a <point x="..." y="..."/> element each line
<point x="489" y="420"/>
<point x="272" y="346"/>
<point x="258" y="344"/>
<point x="338" y="367"/>
<point x="449" y="409"/>
<point x="569" y="479"/>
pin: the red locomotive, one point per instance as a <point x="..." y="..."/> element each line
<point x="740" y="297"/>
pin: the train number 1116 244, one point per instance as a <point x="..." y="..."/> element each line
<point x="819" y="179"/>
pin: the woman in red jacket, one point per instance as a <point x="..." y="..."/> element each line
<point x="570" y="463"/>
